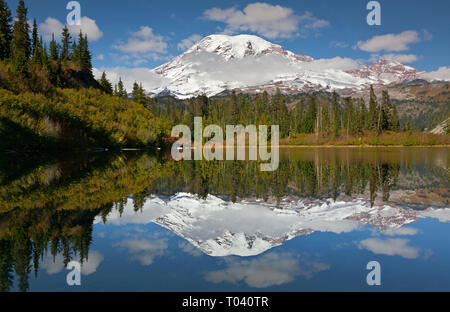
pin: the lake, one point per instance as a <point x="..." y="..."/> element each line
<point x="142" y="222"/>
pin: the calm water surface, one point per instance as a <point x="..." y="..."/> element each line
<point x="141" y="222"/>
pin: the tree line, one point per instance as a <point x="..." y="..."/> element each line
<point x="22" y="46"/>
<point x="324" y="116"/>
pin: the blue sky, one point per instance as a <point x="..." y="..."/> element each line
<point x="142" y="33"/>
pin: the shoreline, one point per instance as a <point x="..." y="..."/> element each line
<point x="334" y="146"/>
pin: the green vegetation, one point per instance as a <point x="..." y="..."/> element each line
<point x="406" y="138"/>
<point x="73" y="119"/>
<point x="50" y="100"/>
<point x="314" y="119"/>
<point x="51" y="208"/>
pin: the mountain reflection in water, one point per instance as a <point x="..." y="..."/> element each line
<point x="50" y="206"/>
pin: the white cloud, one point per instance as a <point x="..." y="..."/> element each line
<point x="57" y="265"/>
<point x="427" y="35"/>
<point x="267" y="270"/>
<point x="390" y="42"/>
<point x="189" y="42"/>
<point x="144" y="43"/>
<point x="146" y="76"/>
<point x="143" y="250"/>
<point x="390" y="247"/>
<point x="403" y="231"/>
<point x="337" y="63"/>
<point x="190" y="249"/>
<point x="54" y="26"/>
<point x="402" y="58"/>
<point x="338" y="44"/>
<point x="271" y="21"/>
<point x="101" y="57"/>
<point x="443" y="73"/>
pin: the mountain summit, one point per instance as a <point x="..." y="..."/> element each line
<point x="249" y="63"/>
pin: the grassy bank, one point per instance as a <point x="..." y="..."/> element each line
<point x="371" y="139"/>
<point x="75" y="119"/>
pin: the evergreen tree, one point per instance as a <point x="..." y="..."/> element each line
<point x="298" y="120"/>
<point x="383" y="113"/>
<point x="66" y="42"/>
<point x="54" y="53"/>
<point x="105" y="84"/>
<point x="75" y="55"/>
<point x="121" y="91"/>
<point x="234" y="108"/>
<point x="373" y="110"/>
<point x="86" y="57"/>
<point x="138" y="93"/>
<point x="364" y="119"/>
<point x="44" y="56"/>
<point x="311" y="115"/>
<point x="336" y="115"/>
<point x="5" y="30"/>
<point x="394" y="122"/>
<point x="81" y="55"/>
<point x="21" y="43"/>
<point x="34" y="38"/>
<point x="348" y="115"/>
<point x="37" y="52"/>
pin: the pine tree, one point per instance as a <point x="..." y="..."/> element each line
<point x="75" y="55"/>
<point x="138" y="93"/>
<point x="86" y="57"/>
<point x="37" y="52"/>
<point x="5" y="30"/>
<point x="383" y="113"/>
<point x="66" y="42"/>
<point x="365" y="118"/>
<point x="373" y="110"/>
<point x="21" y="43"/>
<point x="105" y="84"/>
<point x="234" y="108"/>
<point x="54" y="54"/>
<point x="299" y="117"/>
<point x="336" y="115"/>
<point x="121" y="92"/>
<point x="349" y="115"/>
<point x="311" y="115"/>
<point x="44" y="57"/>
<point x="34" y="38"/>
<point x="394" y="122"/>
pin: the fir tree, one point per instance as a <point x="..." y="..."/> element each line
<point x="311" y="115"/>
<point x="34" y="38"/>
<point x="21" y="43"/>
<point x="86" y="57"/>
<point x="54" y="55"/>
<point x="298" y="120"/>
<point x="66" y="42"/>
<point x="121" y="91"/>
<point x="373" y="110"/>
<point x="138" y="93"/>
<point x="105" y="84"/>
<point x="44" y="56"/>
<point x="336" y="115"/>
<point x="5" y="30"/>
<point x="234" y="108"/>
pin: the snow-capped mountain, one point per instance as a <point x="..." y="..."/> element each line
<point x="220" y="228"/>
<point x="220" y="62"/>
<point x="385" y="72"/>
